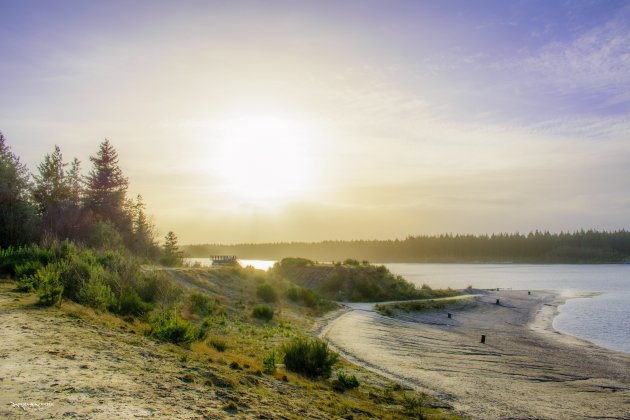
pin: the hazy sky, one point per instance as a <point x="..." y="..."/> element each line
<point x="254" y="121"/>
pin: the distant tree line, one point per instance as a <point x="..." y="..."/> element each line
<point x="537" y="247"/>
<point x="59" y="203"/>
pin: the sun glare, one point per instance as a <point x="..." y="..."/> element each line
<point x="262" y="159"/>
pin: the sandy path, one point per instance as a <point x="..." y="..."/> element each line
<point x="521" y="372"/>
<point x="54" y="366"/>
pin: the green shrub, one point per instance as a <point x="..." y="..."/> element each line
<point x="344" y="382"/>
<point x="413" y="406"/>
<point x="12" y="257"/>
<point x="158" y="287"/>
<point x="218" y="344"/>
<point x="27" y="269"/>
<point x="269" y="362"/>
<point x="311" y="358"/>
<point x="25" y="273"/>
<point x="168" y="326"/>
<point x="293" y="294"/>
<point x="263" y="311"/>
<point x="130" y="303"/>
<point x="77" y="269"/>
<point x="293" y="262"/>
<point x="201" y="303"/>
<point x="28" y="284"/>
<point x="267" y="293"/>
<point x="50" y="289"/>
<point x="306" y="296"/>
<point x="96" y="294"/>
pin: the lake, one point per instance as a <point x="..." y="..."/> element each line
<point x="603" y="319"/>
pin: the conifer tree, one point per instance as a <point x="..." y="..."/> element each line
<point x="52" y="194"/>
<point x="172" y="256"/>
<point x="144" y="243"/>
<point x="107" y="188"/>
<point x="17" y="216"/>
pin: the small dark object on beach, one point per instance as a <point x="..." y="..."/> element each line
<point x="483" y="339"/>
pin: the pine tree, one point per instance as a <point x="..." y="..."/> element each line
<point x="75" y="182"/>
<point x="52" y="195"/>
<point x="107" y="188"/>
<point x="143" y="231"/>
<point x="172" y="256"/>
<point x="17" y="215"/>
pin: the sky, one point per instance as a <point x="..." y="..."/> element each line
<point x="267" y="121"/>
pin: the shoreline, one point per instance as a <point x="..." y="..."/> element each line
<point x="558" y="375"/>
<point x="542" y="321"/>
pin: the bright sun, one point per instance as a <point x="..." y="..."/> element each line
<point x="262" y="159"/>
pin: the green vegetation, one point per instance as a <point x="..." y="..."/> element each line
<point x="390" y="309"/>
<point x="269" y="362"/>
<point x="352" y="281"/>
<point x="169" y="326"/>
<point x="218" y="344"/>
<point x="267" y="293"/>
<point x="345" y="382"/>
<point x="201" y="304"/>
<point x="535" y="247"/>
<point x="305" y="296"/>
<point x="263" y="311"/>
<point x="309" y="357"/>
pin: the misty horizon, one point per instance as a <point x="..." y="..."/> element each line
<point x="261" y="122"/>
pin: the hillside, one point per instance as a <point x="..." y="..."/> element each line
<point x="76" y="361"/>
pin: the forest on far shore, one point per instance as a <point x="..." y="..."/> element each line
<point x="536" y="247"/>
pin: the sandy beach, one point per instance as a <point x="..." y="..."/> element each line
<point x="524" y="370"/>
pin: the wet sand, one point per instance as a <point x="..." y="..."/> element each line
<point x="524" y="370"/>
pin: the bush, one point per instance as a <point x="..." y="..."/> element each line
<point x="311" y="358"/>
<point x="267" y="293"/>
<point x="344" y="382"/>
<point x="201" y="303"/>
<point x="28" y="284"/>
<point x="12" y="257"/>
<point x="96" y="294"/>
<point x="130" y="303"/>
<point x="157" y="287"/>
<point x="293" y="262"/>
<point x="218" y="344"/>
<point x="26" y="275"/>
<point x="27" y="269"/>
<point x="168" y="326"/>
<point x="413" y="406"/>
<point x="77" y="269"/>
<point x="306" y="296"/>
<point x="269" y="362"/>
<point x="263" y="311"/>
<point x="50" y="289"/>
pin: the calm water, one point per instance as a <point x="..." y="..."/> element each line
<point x="259" y="264"/>
<point x="603" y="319"/>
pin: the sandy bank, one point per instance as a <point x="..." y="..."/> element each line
<point x="56" y="366"/>
<point x="524" y="370"/>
